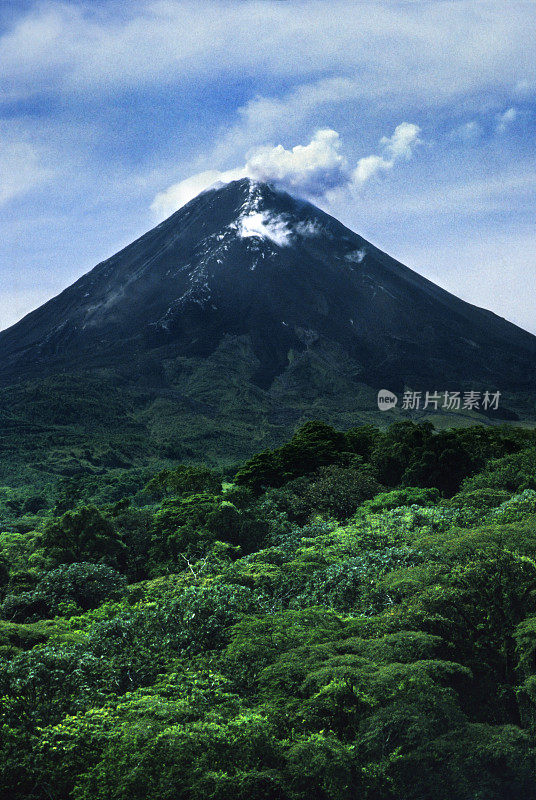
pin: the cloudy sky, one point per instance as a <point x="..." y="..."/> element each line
<point x="412" y="122"/>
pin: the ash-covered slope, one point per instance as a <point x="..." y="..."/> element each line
<point x="246" y="260"/>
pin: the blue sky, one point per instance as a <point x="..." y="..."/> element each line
<point x="106" y="107"/>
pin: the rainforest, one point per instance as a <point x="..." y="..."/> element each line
<point x="350" y="614"/>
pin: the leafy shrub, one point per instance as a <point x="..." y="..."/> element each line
<point x="352" y="584"/>
<point x="184" y="480"/>
<point x="411" y="496"/>
<point x="513" y="473"/>
<point x="70" y="588"/>
<point x="484" y="499"/>
<point x="516" y="508"/>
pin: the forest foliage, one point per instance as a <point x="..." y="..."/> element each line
<point x="352" y="614"/>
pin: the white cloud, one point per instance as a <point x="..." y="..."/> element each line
<point x="468" y="132"/>
<point x="506" y="119"/>
<point x="261" y="225"/>
<point x="20" y="169"/>
<point x="398" y="146"/>
<point x="308" y="170"/>
<point x="265" y="118"/>
<point x="311" y="170"/>
<point x="369" y="166"/>
<point x="402" y="142"/>
<point x="314" y="170"/>
<point x="177" y="195"/>
<point x="357" y="256"/>
<point x="72" y="47"/>
<point x="463" y="198"/>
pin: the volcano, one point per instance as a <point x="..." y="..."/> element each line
<point x="251" y="294"/>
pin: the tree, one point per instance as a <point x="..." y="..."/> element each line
<point x="83" y="535"/>
<point x="184" y="480"/>
<point x="315" y="444"/>
<point x="337" y="491"/>
<point x="83" y="583"/>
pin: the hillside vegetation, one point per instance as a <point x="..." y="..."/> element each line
<point x="350" y="615"/>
